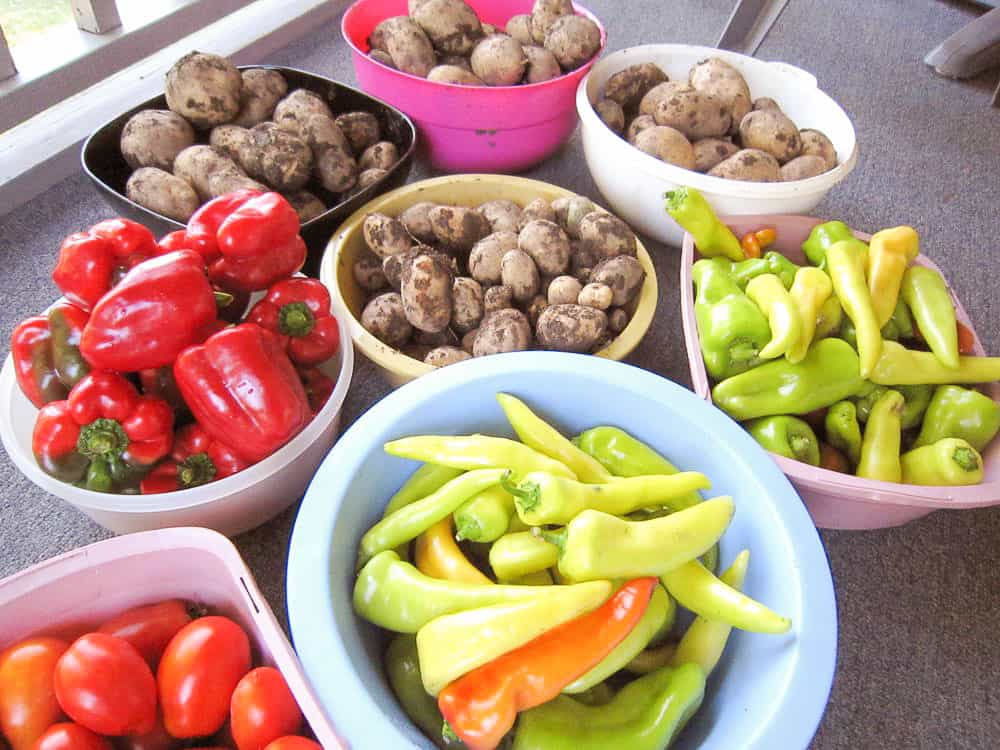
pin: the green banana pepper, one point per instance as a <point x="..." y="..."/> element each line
<point x="830" y="317"/>
<point x="881" y="442"/>
<point x="787" y="436"/>
<point x="652" y="659"/>
<point x="476" y="452"/>
<point x="771" y="262"/>
<point x="822" y="237"/>
<point x="731" y="328"/>
<point x="486" y="517"/>
<point x="646" y="714"/>
<point x="846" y="262"/>
<point x="829" y="373"/>
<point x="692" y="212"/>
<point x="402" y="668"/>
<point x="843" y="431"/>
<point x="926" y="294"/>
<point x="426" y="480"/>
<point x="956" y="412"/>
<point x="516" y="555"/>
<point x="782" y="315"/>
<point x="902" y="320"/>
<point x="901" y="366"/>
<point x="950" y="462"/>
<point x="598" y="695"/>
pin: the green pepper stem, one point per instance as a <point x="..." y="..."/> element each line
<point x="196" y="469"/>
<point x="102" y="438"/>
<point x="448" y="734"/>
<point x="742" y="350"/>
<point x="557" y="538"/>
<point x="296" y="319"/>
<point x="468" y="529"/>
<point x="966" y="458"/>
<point x="799" y="445"/>
<point x="674" y="198"/>
<point x="222" y="299"/>
<point x="526" y="494"/>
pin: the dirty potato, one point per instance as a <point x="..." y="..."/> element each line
<point x="497" y="298"/>
<point x="285" y="161"/>
<point x="666" y="144"/>
<point x="640" y="123"/>
<point x="519" y="273"/>
<point x="442" y="356"/>
<point x="369" y="177"/>
<point x="623" y="274"/>
<point x="458" y="228"/>
<point x="368" y="272"/>
<point x="469" y="339"/>
<point x="628" y="86"/>
<point x="154" y="137"/>
<point x="547" y="245"/>
<point x="410" y="48"/>
<point x="204" y="89"/>
<point x="306" y="205"/>
<point x="815" y="143"/>
<point x="612" y="114"/>
<point x="457" y="61"/>
<point x="196" y="163"/>
<point x="222" y="183"/>
<point x="506" y="330"/>
<point x="564" y="290"/>
<point x="535" y="307"/>
<point x="384" y="318"/>
<point x="466" y="304"/>
<point x="717" y="77"/>
<point x="606" y="236"/>
<point x="486" y="255"/>
<point x="694" y="113"/>
<point x="337" y="170"/>
<point x="570" y="328"/>
<point x="576" y="208"/>
<point x="426" y="293"/>
<point x="519" y="27"/>
<point x="300" y="105"/>
<point x="454" y="74"/>
<point x="319" y="131"/>
<point x="503" y="215"/>
<point x="803" y="167"/>
<point x="381" y="155"/>
<point x="361" y="128"/>
<point x="771" y="131"/>
<point x="418" y="222"/>
<point x="749" y="165"/>
<point x="596" y="295"/>
<point x="499" y="60"/>
<point x="383" y="57"/>
<point x="544" y="13"/>
<point x="660" y="92"/>
<point x="542" y="65"/>
<point x="537" y="209"/>
<point x="160" y="191"/>
<point x="452" y="26"/>
<point x="392" y="265"/>
<point x="446" y="337"/>
<point x="573" y="40"/>
<point x="385" y="235"/>
<point x="262" y="90"/>
<point x="710" y="151"/>
<point x="617" y="320"/>
<point x="766" y="102"/>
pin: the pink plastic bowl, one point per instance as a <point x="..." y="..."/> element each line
<point x="471" y="128"/>
<point x="80" y="589"/>
<point x="835" y="500"/>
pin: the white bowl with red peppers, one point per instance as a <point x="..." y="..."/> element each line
<point x="254" y="481"/>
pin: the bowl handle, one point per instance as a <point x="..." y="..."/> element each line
<point x="807" y="78"/>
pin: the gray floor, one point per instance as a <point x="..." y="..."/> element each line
<point x="919" y="662"/>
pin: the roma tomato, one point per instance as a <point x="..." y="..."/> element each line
<point x="156" y="739"/>
<point x="149" y="628"/>
<point x="263" y="709"/>
<point x="103" y="683"/>
<point x="198" y="673"/>
<point x="293" y="743"/>
<point x="70" y="736"/>
<point x="28" y="704"/>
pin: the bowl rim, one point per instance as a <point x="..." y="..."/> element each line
<point x="179" y="500"/>
<point x="316" y="220"/>
<point x="849" y="488"/>
<point x="665" y="172"/>
<point x="398" y="363"/>
<point x="312" y="617"/>
<point x="485" y="89"/>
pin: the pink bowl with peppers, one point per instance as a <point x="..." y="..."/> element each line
<point x="835" y="500"/>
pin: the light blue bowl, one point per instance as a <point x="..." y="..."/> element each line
<point x="767" y="692"/>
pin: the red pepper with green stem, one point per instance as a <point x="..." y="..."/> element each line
<point x="196" y="459"/>
<point x="45" y="351"/>
<point x="104" y="435"/>
<point x="298" y="312"/>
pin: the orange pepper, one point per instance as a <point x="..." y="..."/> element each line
<point x="832" y="459"/>
<point x="766" y="236"/>
<point x="966" y="339"/>
<point x="750" y="245"/>
<point x="438" y="556"/>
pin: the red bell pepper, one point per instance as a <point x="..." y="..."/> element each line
<point x="258" y="273"/>
<point x="298" y="311"/>
<point x="482" y="706"/>
<point x="174" y="241"/>
<point x="161" y="306"/>
<point x="319" y="387"/>
<point x="196" y="459"/>
<point x="203" y="226"/>
<point x="241" y="383"/>
<point x="45" y="351"/>
<point x="256" y="226"/>
<point x="104" y="435"/>
<point x="91" y="262"/>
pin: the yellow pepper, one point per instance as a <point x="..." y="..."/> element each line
<point x="437" y="556"/>
<point x="889" y="253"/>
<point x="881" y="442"/>
<point x="773" y="299"/>
<point x="538" y="578"/>
<point x="829" y="318"/>
<point x="810" y="291"/>
<point x="846" y="261"/>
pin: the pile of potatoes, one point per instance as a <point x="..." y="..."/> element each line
<point x="444" y="41"/>
<point x="259" y="136"/>
<point x="447" y="283"/>
<point x="710" y="124"/>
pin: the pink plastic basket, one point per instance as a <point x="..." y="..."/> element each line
<point x="835" y="500"/>
<point x="82" y="588"/>
<point x="471" y="128"/>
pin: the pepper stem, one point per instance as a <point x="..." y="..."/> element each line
<point x="222" y="299"/>
<point x="799" y="445"/>
<point x="743" y="350"/>
<point x="557" y="538"/>
<point x="296" y="319"/>
<point x="468" y="529"/>
<point x="674" y="198"/>
<point x="448" y="734"/>
<point x="526" y="494"/>
<point x="966" y="458"/>
<point x="102" y="438"/>
<point x="196" y="469"/>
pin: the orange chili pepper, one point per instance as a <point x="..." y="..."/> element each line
<point x="750" y="245"/>
<point x="482" y="706"/>
<point x="438" y="556"/>
<point x="966" y="339"/>
<point x="831" y="458"/>
<point x="766" y="236"/>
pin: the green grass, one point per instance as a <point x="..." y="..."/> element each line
<point x="22" y="19"/>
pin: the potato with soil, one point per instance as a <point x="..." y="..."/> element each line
<point x="564" y="290"/>
<point x="306" y="205"/>
<point x="319" y="131"/>
<point x="486" y="256"/>
<point x="570" y="328"/>
<point x="442" y="356"/>
<point x="573" y="40"/>
<point x="539" y="208"/>
<point x="596" y="295"/>
<point x="694" y="113"/>
<point x="337" y="170"/>
<point x="519" y="273"/>
<point x="368" y="272"/>
<point x="497" y="298"/>
<point x="666" y="144"/>
<point x="154" y="138"/>
<point x="576" y="207"/>
<point x="383" y="57"/>
<point x="452" y="26"/>
<point x="262" y="90"/>
<point x="611" y="114"/>
<point x="503" y="215"/>
<point x="458" y="228"/>
<point x="766" y="102"/>
<point x="499" y="60"/>
<point x="710" y="151"/>
<point x="629" y="86"/>
<point x="544" y="13"/>
<point x="542" y="65"/>
<point x="506" y="330"/>
<point x="284" y="161"/>
<point x="392" y="265"/>
<point x="455" y="75"/>
<point x="623" y="274"/>
<point x="369" y="177"/>
<point x="547" y="245"/>
<point x="771" y="131"/>
<point x="234" y="141"/>
<point x="410" y="48"/>
<point x="385" y="235"/>
<point x="815" y="143"/>
<point x="361" y="128"/>
<point x="606" y="236"/>
<point x="222" y="183"/>
<point x="640" y="123"/>
<point x="196" y="164"/>
<point x="717" y="77"/>
<point x="426" y="293"/>
<point x="418" y="222"/>
<point x="381" y="155"/>
<point x="803" y="167"/>
<point x="659" y="93"/>
<point x="519" y="27"/>
<point x="384" y="318"/>
<point x="160" y="191"/>
<point x="466" y="304"/>
<point x="204" y="89"/>
<point x="749" y="165"/>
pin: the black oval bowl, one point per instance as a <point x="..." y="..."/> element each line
<point x="103" y="161"/>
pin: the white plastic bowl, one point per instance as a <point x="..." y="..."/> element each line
<point x="634" y="182"/>
<point x="231" y="505"/>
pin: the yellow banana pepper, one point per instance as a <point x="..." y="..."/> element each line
<point x="889" y="253"/>
<point x="437" y="556"/>
<point x="846" y="261"/>
<point x="810" y="291"/>
<point x="881" y="443"/>
<point x="773" y="299"/>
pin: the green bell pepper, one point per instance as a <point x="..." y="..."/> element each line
<point x="829" y="373"/>
<point x="822" y="237"/>
<point x="695" y="216"/>
<point x="771" y="262"/>
<point x="956" y="412"/>
<point x="402" y="668"/>
<point x="950" y="462"/>
<point x="787" y="436"/>
<point x="731" y="328"/>
<point x="646" y="714"/>
<point x="881" y="442"/>
<point x="843" y="431"/>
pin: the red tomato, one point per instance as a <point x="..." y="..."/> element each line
<point x="156" y="739"/>
<point x="28" y="704"/>
<point x="293" y="743"/>
<point x="103" y="683"/>
<point x="198" y="673"/>
<point x="263" y="709"/>
<point x="70" y="736"/>
<point x="149" y="628"/>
